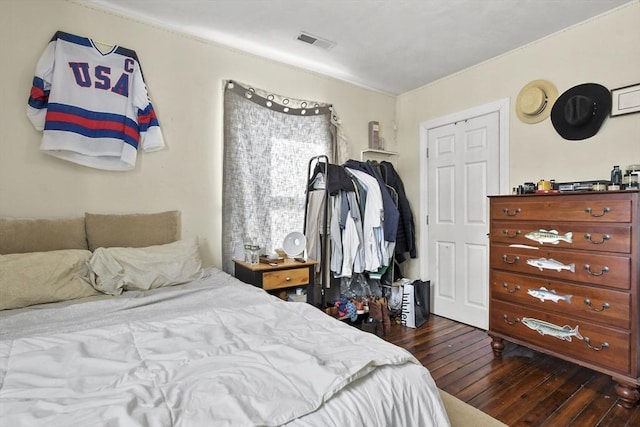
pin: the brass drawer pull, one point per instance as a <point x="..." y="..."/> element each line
<point x="516" y="288"/>
<point x="510" y="322"/>
<point x="587" y="341"/>
<point x="604" y="211"/>
<point x="604" y="305"/>
<point x="604" y="238"/>
<point x="505" y="258"/>
<point x="511" y="236"/>
<point x="593" y="273"/>
<point x="508" y="213"/>
<point x="288" y="279"/>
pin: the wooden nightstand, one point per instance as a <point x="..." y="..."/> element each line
<point x="287" y="275"/>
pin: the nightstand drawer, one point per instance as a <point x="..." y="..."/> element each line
<point x="279" y="277"/>
<point x="285" y="278"/>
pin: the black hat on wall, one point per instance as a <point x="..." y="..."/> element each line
<point x="580" y="111"/>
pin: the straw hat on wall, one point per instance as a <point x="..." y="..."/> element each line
<point x="535" y="100"/>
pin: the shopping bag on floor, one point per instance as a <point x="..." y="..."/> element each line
<point x="408" y="317"/>
<point x="416" y="302"/>
<point x="422" y="298"/>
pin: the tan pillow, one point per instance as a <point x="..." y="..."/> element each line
<point x="40" y="277"/>
<point x="41" y="235"/>
<point x="114" y="270"/>
<point x="133" y="231"/>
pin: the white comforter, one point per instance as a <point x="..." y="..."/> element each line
<point x="215" y="352"/>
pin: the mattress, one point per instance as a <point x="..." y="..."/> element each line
<point x="214" y="352"/>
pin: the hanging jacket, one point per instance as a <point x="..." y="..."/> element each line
<point x="391" y="213"/>
<point x="406" y="236"/>
<point x="336" y="177"/>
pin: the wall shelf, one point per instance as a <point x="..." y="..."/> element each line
<point x="363" y="153"/>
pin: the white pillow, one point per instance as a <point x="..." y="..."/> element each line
<point x="115" y="270"/>
<point x="41" y="277"/>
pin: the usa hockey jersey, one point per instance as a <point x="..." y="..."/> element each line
<point x="92" y="107"/>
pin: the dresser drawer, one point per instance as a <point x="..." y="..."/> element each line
<point x="605" y="306"/>
<point x="285" y="278"/>
<point x="511" y="320"/>
<point x="595" y="237"/>
<point x="614" y="208"/>
<point x="592" y="268"/>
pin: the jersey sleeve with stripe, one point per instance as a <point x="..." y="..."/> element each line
<point x="92" y="106"/>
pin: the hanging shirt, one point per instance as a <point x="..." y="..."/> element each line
<point x="336" y="235"/>
<point x="350" y="245"/>
<point x="352" y="238"/>
<point x="92" y="107"/>
<point x="314" y="228"/>
<point x="373" y="235"/>
<point x="356" y="241"/>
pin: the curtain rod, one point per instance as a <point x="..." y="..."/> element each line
<point x="302" y="108"/>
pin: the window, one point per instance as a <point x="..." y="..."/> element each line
<point x="268" y="141"/>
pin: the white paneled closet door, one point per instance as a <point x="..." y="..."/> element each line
<point x="463" y="168"/>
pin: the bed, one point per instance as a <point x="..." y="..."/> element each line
<point x="111" y="320"/>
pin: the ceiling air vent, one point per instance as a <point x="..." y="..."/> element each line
<point x="316" y="41"/>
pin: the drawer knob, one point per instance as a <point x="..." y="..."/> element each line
<point x="505" y="258"/>
<point x="510" y="322"/>
<point x="587" y="341"/>
<point x="605" y="237"/>
<point x="604" y="305"/>
<point x="511" y="235"/>
<point x="596" y="215"/>
<point x="516" y="288"/>
<point x="594" y="273"/>
<point x="509" y="213"/>
<point x="288" y="279"/>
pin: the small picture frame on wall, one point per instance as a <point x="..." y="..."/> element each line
<point x="625" y="100"/>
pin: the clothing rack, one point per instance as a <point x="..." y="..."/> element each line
<point x="319" y="222"/>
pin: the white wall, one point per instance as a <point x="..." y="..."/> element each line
<point x="604" y="50"/>
<point x="185" y="79"/>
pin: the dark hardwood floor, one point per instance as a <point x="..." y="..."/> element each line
<point x="522" y="388"/>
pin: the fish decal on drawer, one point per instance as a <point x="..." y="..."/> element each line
<point x="545" y="328"/>
<point x="551" y="264"/>
<point x="551" y="236"/>
<point x="544" y="294"/>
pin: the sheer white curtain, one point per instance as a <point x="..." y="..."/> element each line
<point x="268" y="141"/>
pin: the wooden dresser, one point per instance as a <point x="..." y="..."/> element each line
<point x="578" y="299"/>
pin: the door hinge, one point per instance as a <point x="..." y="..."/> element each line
<point x="427" y="218"/>
<point x="427" y="152"/>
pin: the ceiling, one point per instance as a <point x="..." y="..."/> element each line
<point x="393" y="46"/>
